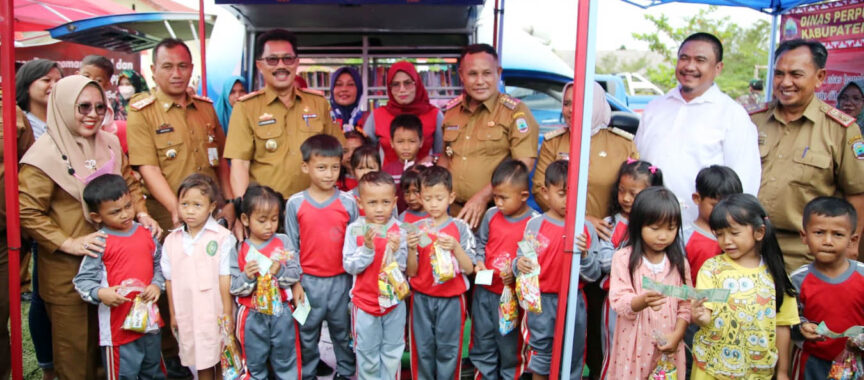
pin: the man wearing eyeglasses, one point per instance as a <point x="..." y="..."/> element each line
<point x="171" y="135"/>
<point x="267" y="126"/>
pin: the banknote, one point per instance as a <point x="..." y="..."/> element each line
<point x="853" y="331"/>
<point x="686" y="292"/>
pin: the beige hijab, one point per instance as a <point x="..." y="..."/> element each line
<point x="602" y="112"/>
<point x="61" y="152"/>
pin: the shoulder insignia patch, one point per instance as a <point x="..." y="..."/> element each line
<point x="202" y="98"/>
<point x="837" y="115"/>
<point x="250" y="95"/>
<point x="553" y="134"/>
<point x="508" y="101"/>
<point x="453" y="102"/>
<point x="139" y="105"/>
<point x="622" y="133"/>
<point x="312" y="91"/>
<point x="761" y="108"/>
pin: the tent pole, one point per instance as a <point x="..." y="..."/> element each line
<point x="202" y="41"/>
<point x="499" y="32"/>
<point x="577" y="179"/>
<point x="495" y="26"/>
<point x="10" y="160"/>
<point x="773" y="46"/>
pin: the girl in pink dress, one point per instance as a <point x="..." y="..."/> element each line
<point x="198" y="295"/>
<point x="649" y="324"/>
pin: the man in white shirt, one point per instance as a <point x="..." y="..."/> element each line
<point x="696" y="125"/>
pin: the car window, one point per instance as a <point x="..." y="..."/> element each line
<point x="542" y="97"/>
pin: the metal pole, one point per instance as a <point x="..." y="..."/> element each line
<point x="577" y="179"/>
<point x="495" y="26"/>
<point x="500" y="34"/>
<point x="202" y="41"/>
<point x="10" y="160"/>
<point x="769" y="83"/>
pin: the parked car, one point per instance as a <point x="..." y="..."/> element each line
<point x="631" y="89"/>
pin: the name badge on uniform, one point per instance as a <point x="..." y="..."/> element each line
<point x="762" y="138"/>
<point x="266" y="119"/>
<point x="213" y="156"/>
<point x="564" y="156"/>
<point x="307" y="116"/>
<point x="164" y="128"/>
<point x="521" y="125"/>
<point x="451" y="128"/>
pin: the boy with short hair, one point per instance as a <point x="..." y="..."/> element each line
<point x="713" y="183"/>
<point x="406" y="138"/>
<point x="829" y="230"/>
<point x="97" y="68"/>
<point x="546" y="233"/>
<point x="315" y="222"/>
<point x="130" y="253"/>
<point x="437" y="315"/>
<point x="495" y="356"/>
<point x="379" y="331"/>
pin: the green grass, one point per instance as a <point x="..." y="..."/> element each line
<point x="31" y="368"/>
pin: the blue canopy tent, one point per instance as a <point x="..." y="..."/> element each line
<point x="586" y="30"/>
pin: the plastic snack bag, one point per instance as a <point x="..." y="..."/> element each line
<point x="392" y="285"/>
<point x="443" y="269"/>
<point x="528" y="284"/>
<point x="138" y="316"/>
<point x="232" y="364"/>
<point x="665" y="369"/>
<point x="268" y="299"/>
<point x="508" y="313"/>
<point x="845" y="367"/>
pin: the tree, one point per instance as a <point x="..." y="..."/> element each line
<point x="743" y="48"/>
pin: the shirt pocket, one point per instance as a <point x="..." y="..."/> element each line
<point x="451" y="133"/>
<point x="810" y="168"/>
<point x="269" y="139"/>
<point x="494" y="140"/>
<point x="169" y="146"/>
<point x="311" y="124"/>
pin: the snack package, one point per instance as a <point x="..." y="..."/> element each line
<point x="138" y="316"/>
<point x="845" y="367"/>
<point x="665" y="369"/>
<point x="268" y="299"/>
<point x="392" y="285"/>
<point x="508" y="313"/>
<point x="232" y="364"/>
<point x="443" y="269"/>
<point x="397" y="280"/>
<point x="528" y="284"/>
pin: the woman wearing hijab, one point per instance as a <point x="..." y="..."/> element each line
<point x="53" y="174"/>
<point x="34" y="82"/>
<point x="851" y="101"/>
<point x="609" y="148"/>
<point x="346" y="88"/>
<point x="232" y="89"/>
<point x="129" y="83"/>
<point x="406" y="95"/>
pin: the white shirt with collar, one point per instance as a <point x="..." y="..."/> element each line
<point x="681" y="138"/>
<point x="189" y="241"/>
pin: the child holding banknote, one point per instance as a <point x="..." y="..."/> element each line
<point x="748" y="335"/>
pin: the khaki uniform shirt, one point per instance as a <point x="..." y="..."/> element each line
<point x="25" y="140"/>
<point x="477" y="141"/>
<point x="50" y="215"/>
<point x="179" y="140"/>
<point x="610" y="147"/>
<point x="820" y="154"/>
<point x="268" y="134"/>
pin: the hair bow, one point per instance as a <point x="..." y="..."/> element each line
<point x="630" y="160"/>
<point x="652" y="169"/>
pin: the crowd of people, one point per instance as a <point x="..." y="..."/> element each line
<point x="264" y="214"/>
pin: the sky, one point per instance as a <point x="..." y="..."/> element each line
<point x="555" y="20"/>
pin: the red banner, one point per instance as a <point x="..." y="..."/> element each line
<point x="69" y="55"/>
<point x="840" y="26"/>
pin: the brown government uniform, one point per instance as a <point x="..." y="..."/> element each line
<point x="477" y="141"/>
<point x="50" y="215"/>
<point x="820" y="154"/>
<point x="25" y="139"/>
<point x="179" y="140"/>
<point x="268" y="134"/>
<point x="610" y="147"/>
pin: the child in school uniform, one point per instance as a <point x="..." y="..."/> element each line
<point x="379" y="329"/>
<point x="438" y="310"/>
<point x="492" y="354"/>
<point x="546" y="233"/>
<point x="829" y="230"/>
<point x="410" y="195"/>
<point x="315" y="222"/>
<point x="130" y="253"/>
<point x="406" y="138"/>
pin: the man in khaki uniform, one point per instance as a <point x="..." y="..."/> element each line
<point x="268" y="126"/>
<point x="482" y="127"/>
<point x="808" y="148"/>
<point x="172" y="135"/>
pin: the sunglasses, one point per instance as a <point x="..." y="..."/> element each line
<point x="85" y="108"/>
<point x="273" y="61"/>
<point x="407" y="84"/>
